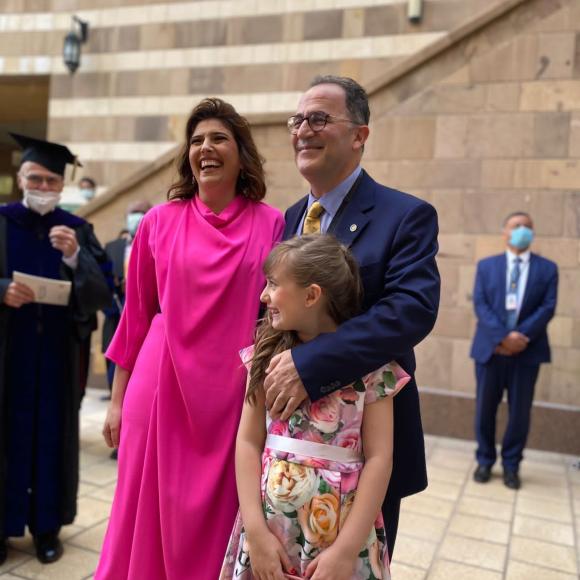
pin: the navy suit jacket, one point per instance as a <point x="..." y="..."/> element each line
<point x="393" y="236"/>
<point x="538" y="306"/>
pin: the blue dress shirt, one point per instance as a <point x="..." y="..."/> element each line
<point x="330" y="201"/>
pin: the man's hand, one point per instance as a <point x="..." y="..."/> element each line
<point x="515" y="342"/>
<point x="18" y="294"/>
<point x="502" y="350"/>
<point x="64" y="239"/>
<point x="283" y="386"/>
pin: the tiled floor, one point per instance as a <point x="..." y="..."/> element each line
<point x="455" y="530"/>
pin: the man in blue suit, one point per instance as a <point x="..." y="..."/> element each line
<point x="514" y="299"/>
<point x="393" y="235"/>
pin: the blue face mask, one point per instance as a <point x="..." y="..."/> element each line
<point x="133" y="220"/>
<point x="521" y="237"/>
<point x="87" y="193"/>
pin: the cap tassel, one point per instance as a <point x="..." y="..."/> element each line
<point x="74" y="169"/>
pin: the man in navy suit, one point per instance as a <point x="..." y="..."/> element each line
<point x="514" y="298"/>
<point x="393" y="235"/>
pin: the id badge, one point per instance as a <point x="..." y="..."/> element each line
<point x="511" y="302"/>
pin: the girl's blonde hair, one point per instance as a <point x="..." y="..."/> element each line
<point x="313" y="259"/>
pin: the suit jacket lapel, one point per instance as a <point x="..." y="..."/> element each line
<point x="531" y="281"/>
<point x="501" y="272"/>
<point x="293" y="217"/>
<point x="355" y="211"/>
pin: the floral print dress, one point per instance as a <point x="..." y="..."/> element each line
<point x="307" y="498"/>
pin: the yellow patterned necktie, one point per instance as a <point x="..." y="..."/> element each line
<point x="312" y="220"/>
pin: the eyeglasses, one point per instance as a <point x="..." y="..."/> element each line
<point x="37" y="180"/>
<point x="316" y="120"/>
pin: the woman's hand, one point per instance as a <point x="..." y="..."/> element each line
<point x="112" y="426"/>
<point x="332" y="564"/>
<point x="268" y="558"/>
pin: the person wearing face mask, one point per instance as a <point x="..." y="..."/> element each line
<point x="515" y="299"/>
<point x="87" y="188"/>
<point x="41" y="350"/>
<point x="118" y="252"/>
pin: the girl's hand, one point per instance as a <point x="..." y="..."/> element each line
<point x="112" y="426"/>
<point x="332" y="564"/>
<point x="268" y="558"/>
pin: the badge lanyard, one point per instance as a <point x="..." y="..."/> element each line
<point x="511" y="297"/>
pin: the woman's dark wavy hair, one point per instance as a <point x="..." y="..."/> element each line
<point x="251" y="182"/>
<point x="313" y="259"/>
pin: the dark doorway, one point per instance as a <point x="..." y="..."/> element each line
<point x="23" y="109"/>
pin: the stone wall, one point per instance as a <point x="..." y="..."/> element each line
<point x="495" y="130"/>
<point x="497" y="134"/>
<point x="147" y="62"/>
<point x="476" y="111"/>
<point x="481" y="126"/>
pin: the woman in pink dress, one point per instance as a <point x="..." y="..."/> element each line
<point x="194" y="281"/>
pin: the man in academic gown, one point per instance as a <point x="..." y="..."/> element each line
<point x="40" y="350"/>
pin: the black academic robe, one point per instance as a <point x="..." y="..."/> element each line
<point x="40" y="348"/>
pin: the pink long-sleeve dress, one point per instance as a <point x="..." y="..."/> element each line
<point x="192" y="302"/>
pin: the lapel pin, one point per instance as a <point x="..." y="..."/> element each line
<point x="353" y="227"/>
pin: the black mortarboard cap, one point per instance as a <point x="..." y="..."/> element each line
<point x="50" y="155"/>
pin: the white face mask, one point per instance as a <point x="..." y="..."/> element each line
<point x="41" y="202"/>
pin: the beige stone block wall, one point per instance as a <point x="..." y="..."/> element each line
<point x="454" y="322"/>
<point x="487" y="126"/>
<point x="434" y="360"/>
<point x="506" y="137"/>
<point x="147" y="63"/>
<point x="449" y="207"/>
<point x="462" y="374"/>
<point x="401" y="138"/>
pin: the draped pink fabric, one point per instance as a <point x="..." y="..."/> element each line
<point x="192" y="302"/>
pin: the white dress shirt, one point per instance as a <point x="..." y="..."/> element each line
<point x="524" y="271"/>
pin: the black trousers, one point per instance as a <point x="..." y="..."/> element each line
<point x="391" y="509"/>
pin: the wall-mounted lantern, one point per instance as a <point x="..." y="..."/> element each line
<point x="415" y="11"/>
<point x="72" y="43"/>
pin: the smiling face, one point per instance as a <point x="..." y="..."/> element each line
<point x="287" y="302"/>
<point x="327" y="157"/>
<point x="214" y="159"/>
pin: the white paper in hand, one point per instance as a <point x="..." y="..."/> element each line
<point x="46" y="290"/>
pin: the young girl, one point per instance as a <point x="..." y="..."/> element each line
<point x="308" y="498"/>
